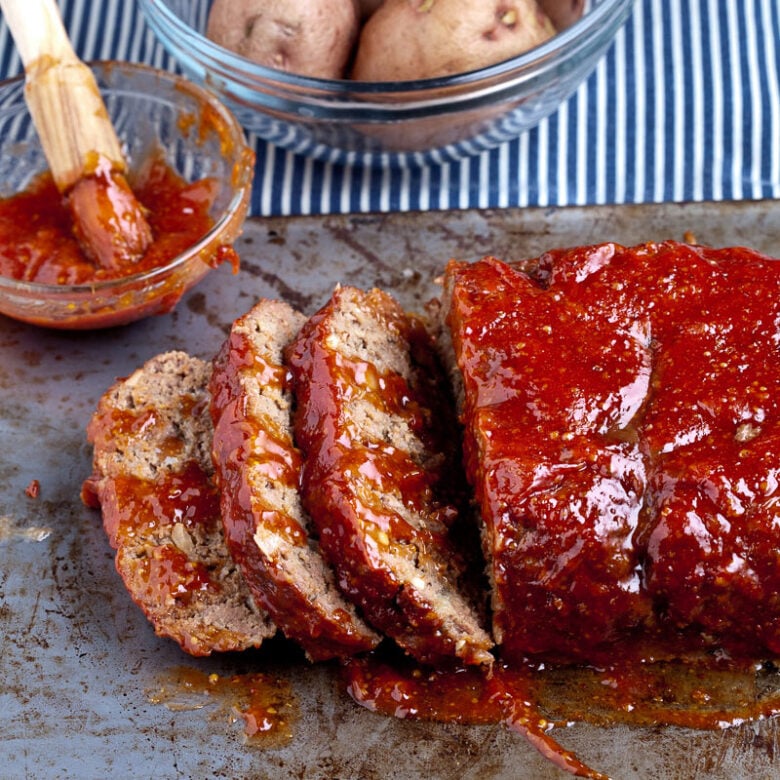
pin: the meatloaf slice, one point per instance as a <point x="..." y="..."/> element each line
<point x="152" y="478"/>
<point x="258" y="469"/>
<point x="367" y="421"/>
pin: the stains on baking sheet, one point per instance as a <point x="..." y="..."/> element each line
<point x="41" y="452"/>
<point x="10" y="531"/>
<point x="275" y="285"/>
<point x="341" y="234"/>
<point x="274" y="237"/>
<point x="32" y="358"/>
<point x="48" y="603"/>
<point x="204" y="311"/>
<point x="263" y="703"/>
<point x="196" y="303"/>
<point x="76" y="655"/>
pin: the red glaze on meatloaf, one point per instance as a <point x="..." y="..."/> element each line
<point x="711" y="429"/>
<point x="366" y="422"/>
<point x="549" y="445"/>
<point x="258" y="468"/>
<point x="151" y="477"/>
<point x="622" y="429"/>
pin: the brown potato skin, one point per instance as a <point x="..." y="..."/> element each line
<point x="415" y="39"/>
<point x="563" y="13"/>
<point x="367" y="7"/>
<point x="307" y="37"/>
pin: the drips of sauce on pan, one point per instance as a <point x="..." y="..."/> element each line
<point x="38" y="244"/>
<point x="265" y="703"/>
<point x="534" y="699"/>
<point x="689" y="695"/>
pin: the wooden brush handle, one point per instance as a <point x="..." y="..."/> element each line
<point x="37" y="30"/>
<point x="62" y="94"/>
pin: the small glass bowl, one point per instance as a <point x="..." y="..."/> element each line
<point x="426" y="121"/>
<point x="151" y="110"/>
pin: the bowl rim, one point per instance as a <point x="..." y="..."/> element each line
<point x="157" y="11"/>
<point x="242" y="188"/>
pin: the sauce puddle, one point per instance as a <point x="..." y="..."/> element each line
<point x="265" y="703"/>
<point x="38" y="244"/>
<point x="535" y="700"/>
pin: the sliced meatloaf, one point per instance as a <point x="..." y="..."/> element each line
<point x="375" y="466"/>
<point x="258" y="467"/>
<point x="152" y="478"/>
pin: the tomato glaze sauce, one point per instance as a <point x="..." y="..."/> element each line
<point x="187" y="498"/>
<point x="37" y="241"/>
<point x="264" y="702"/>
<point x="622" y="427"/>
<point x="266" y="449"/>
<point x="537" y="701"/>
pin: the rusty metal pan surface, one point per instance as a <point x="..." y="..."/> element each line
<point x="81" y="670"/>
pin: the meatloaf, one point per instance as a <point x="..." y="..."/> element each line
<point x="152" y="478"/>
<point x="548" y="445"/>
<point x="258" y="466"/>
<point x="620" y="411"/>
<point x="711" y="429"/>
<point x="375" y="470"/>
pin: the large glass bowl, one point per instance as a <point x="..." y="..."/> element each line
<point x="152" y="111"/>
<point x="369" y="122"/>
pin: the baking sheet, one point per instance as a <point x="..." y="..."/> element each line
<point x="80" y="667"/>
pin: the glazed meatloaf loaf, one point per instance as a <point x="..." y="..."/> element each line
<point x="622" y="425"/>
<point x="258" y="468"/>
<point x="560" y="489"/>
<point x="367" y="421"/>
<point x="710" y="430"/>
<point x="151" y="435"/>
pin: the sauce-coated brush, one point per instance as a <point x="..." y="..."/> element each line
<point x="80" y="144"/>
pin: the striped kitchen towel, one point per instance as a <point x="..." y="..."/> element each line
<point x="685" y="106"/>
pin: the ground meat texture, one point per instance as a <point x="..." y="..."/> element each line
<point x="258" y="467"/>
<point x="366" y="422"/>
<point x="152" y="478"/>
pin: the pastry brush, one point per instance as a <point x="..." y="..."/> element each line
<point x="80" y="143"/>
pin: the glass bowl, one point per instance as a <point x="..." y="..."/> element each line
<point x="434" y="120"/>
<point x="152" y="111"/>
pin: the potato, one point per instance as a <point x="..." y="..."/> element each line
<point x="367" y="7"/>
<point x="307" y="37"/>
<point x="562" y="13"/>
<point x="415" y="39"/>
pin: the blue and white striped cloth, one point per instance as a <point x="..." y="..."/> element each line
<point x="684" y="107"/>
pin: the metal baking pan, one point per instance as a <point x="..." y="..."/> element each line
<point x="82" y="675"/>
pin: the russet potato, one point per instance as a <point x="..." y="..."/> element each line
<point x="563" y="12"/>
<point x="416" y="39"/>
<point x="307" y="37"/>
<point x="367" y="7"/>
